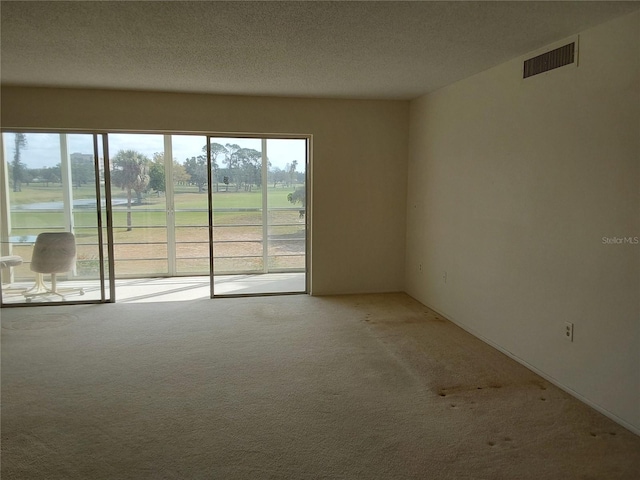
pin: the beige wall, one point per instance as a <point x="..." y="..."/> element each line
<point x="359" y="162"/>
<point x="512" y="185"/>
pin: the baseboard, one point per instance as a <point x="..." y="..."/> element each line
<point x="544" y="375"/>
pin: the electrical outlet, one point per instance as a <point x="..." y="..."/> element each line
<point x="568" y="331"/>
<point x="420" y="267"/>
<point x="444" y="277"/>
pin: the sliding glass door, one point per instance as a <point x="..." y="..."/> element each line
<point x="52" y="235"/>
<point x="160" y="211"/>
<point x="258" y="194"/>
<point x="139" y="212"/>
<point x="228" y="213"/>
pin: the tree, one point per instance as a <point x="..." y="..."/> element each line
<point x="231" y="157"/>
<point x="292" y="172"/>
<point x="44" y="175"/>
<point x="19" y="168"/>
<point x="51" y="174"/>
<point x="196" y="167"/>
<point x="216" y="150"/>
<point x="277" y="176"/>
<point x="157" y="180"/>
<point x="299" y="195"/>
<point x="250" y="161"/>
<point x="26" y="176"/>
<point x="180" y="175"/>
<point x="131" y="173"/>
<point x="82" y="168"/>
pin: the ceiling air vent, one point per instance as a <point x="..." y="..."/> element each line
<point x="550" y="60"/>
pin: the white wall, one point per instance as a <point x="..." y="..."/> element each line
<point x="359" y="162"/>
<point x="512" y="185"/>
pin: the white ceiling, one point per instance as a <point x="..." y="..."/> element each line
<point x="396" y="50"/>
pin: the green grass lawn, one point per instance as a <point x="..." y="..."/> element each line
<point x="191" y="207"/>
<point x="148" y="238"/>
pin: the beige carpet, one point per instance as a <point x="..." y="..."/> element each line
<point x="294" y="387"/>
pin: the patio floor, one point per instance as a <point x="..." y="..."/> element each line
<point x="164" y="289"/>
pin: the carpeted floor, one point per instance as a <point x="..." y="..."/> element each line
<point x="293" y="387"/>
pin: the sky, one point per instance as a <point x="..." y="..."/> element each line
<point x="43" y="149"/>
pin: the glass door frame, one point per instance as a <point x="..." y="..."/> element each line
<point x="65" y="162"/>
<point x="264" y="172"/>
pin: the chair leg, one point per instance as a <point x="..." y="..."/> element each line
<point x="41" y="289"/>
<point x="54" y="287"/>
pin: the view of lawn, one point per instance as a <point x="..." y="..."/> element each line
<point x="143" y="249"/>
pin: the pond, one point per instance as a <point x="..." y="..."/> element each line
<point x="80" y="203"/>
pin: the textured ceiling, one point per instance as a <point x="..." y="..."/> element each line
<point x="321" y="49"/>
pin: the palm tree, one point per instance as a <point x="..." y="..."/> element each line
<point x="131" y="173"/>
<point x="18" y="166"/>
